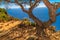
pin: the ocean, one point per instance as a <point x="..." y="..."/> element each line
<point x="41" y="13"/>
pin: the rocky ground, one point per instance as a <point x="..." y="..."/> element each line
<point x="28" y="33"/>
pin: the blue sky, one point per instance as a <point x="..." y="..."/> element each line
<point x="16" y="6"/>
<point x="55" y="0"/>
<point x="49" y="0"/>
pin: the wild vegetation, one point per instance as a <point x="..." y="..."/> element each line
<point x="4" y="17"/>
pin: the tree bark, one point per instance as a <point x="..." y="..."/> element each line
<point x="40" y="26"/>
<point x="52" y="12"/>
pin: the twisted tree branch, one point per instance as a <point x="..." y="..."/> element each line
<point x="22" y="7"/>
<point x="52" y="11"/>
<point x="34" y="5"/>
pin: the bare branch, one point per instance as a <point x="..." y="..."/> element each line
<point x="34" y="5"/>
<point x="39" y="22"/>
<point x="58" y="6"/>
<point x="16" y="1"/>
<point x="53" y="14"/>
<point x="52" y="18"/>
<point x="7" y="0"/>
<point x="52" y="11"/>
<point x="30" y="2"/>
<point x="48" y="23"/>
<point x="22" y="7"/>
<point x="48" y="4"/>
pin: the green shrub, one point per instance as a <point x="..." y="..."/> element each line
<point x="33" y="24"/>
<point x="3" y="15"/>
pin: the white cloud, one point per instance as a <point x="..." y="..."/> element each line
<point x="41" y="5"/>
<point x="13" y="5"/>
<point x="26" y="6"/>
